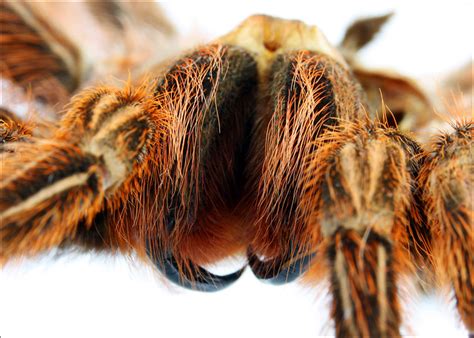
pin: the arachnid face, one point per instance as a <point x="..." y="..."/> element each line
<point x="271" y="145"/>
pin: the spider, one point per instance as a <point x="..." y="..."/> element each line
<point x="265" y="141"/>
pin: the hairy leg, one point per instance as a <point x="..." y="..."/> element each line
<point x="48" y="186"/>
<point x="359" y="187"/>
<point x="447" y="179"/>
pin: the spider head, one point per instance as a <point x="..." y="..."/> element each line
<point x="266" y="37"/>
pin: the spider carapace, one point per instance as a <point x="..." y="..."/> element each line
<point x="266" y="142"/>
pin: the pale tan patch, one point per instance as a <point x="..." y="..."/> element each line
<point x="352" y="174"/>
<point x="344" y="287"/>
<point x="102" y="146"/>
<point x="99" y="107"/>
<point x="382" y="287"/>
<point x="122" y="116"/>
<point x="376" y="157"/>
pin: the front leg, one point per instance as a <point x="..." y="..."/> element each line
<point x="48" y="186"/>
<point x="359" y="186"/>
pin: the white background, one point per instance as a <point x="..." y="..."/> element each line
<point x="102" y="296"/>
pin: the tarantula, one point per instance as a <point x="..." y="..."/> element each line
<point x="266" y="141"/>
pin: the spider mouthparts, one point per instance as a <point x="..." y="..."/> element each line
<point x="278" y="271"/>
<point x="194" y="277"/>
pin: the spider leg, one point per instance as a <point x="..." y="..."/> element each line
<point x="360" y="33"/>
<point x="447" y="179"/>
<point x="48" y="186"/>
<point x="359" y="184"/>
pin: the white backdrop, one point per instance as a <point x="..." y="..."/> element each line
<point x="103" y="296"/>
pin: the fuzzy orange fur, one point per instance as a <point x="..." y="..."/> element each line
<point x="259" y="147"/>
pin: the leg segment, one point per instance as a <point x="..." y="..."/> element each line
<point x="363" y="285"/>
<point x="42" y="201"/>
<point x="358" y="184"/>
<point x="447" y="179"/>
<point x="48" y="186"/>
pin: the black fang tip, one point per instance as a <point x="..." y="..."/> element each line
<point x="278" y="271"/>
<point x="194" y="277"/>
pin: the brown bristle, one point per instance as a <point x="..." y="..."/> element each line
<point x="266" y="142"/>
<point x="49" y="187"/>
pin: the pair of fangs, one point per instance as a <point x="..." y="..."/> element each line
<point x="197" y="278"/>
